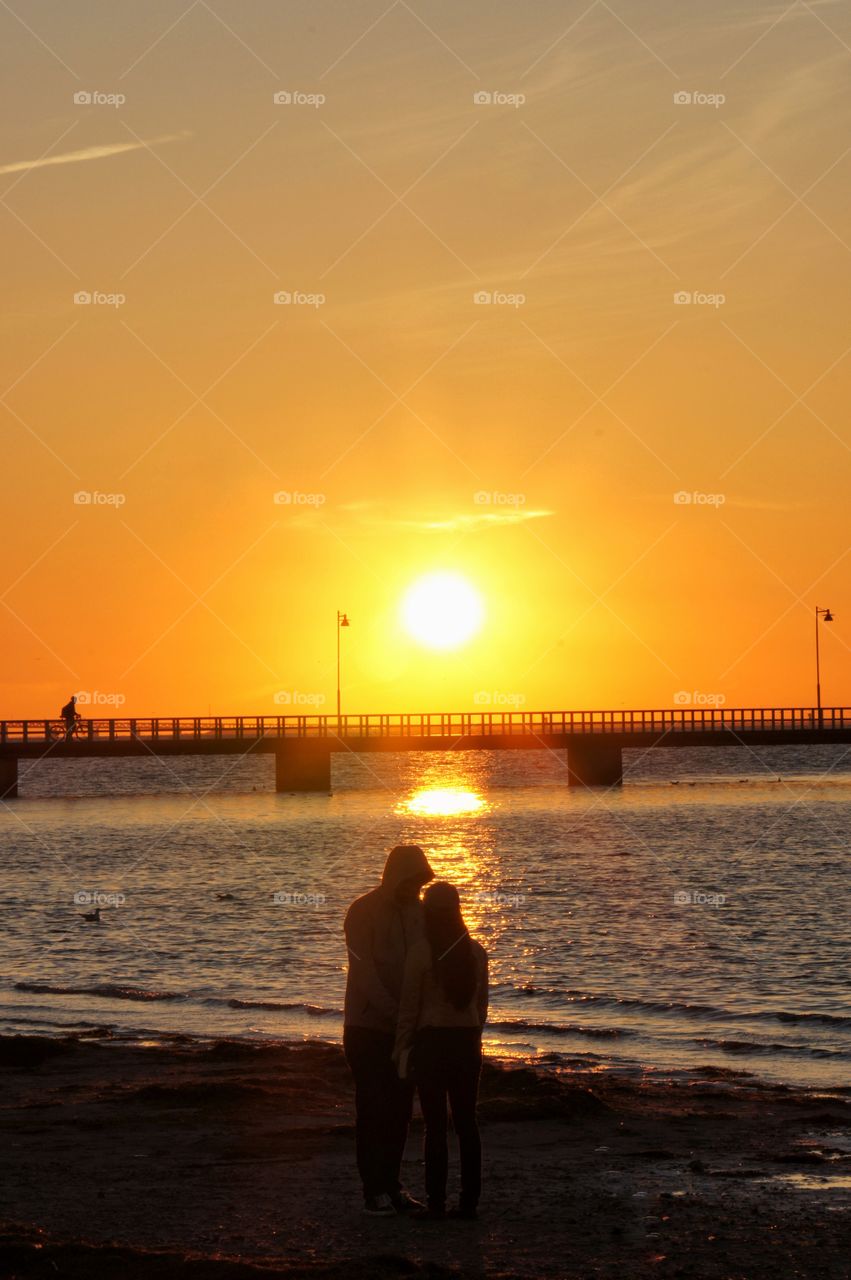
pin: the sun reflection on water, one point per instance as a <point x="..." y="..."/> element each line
<point x="448" y="808"/>
<point x="443" y="802"/>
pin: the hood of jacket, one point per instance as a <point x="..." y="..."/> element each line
<point x="405" y="862"/>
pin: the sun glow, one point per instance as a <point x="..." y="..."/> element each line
<point x="443" y="802"/>
<point x="442" y="611"/>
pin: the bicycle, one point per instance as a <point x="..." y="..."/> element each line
<point x="64" y="730"/>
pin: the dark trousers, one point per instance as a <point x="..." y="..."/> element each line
<point x="383" y="1105"/>
<point x="447" y="1063"/>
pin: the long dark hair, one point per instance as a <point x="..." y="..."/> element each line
<point x="452" y="958"/>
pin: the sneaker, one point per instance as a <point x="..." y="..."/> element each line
<point x="379" y="1206"/>
<point x="405" y="1203"/>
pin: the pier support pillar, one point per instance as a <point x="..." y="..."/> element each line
<point x="594" y="766"/>
<point x="302" y="766"/>
<point x="8" y="777"/>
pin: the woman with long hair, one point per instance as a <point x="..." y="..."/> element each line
<point x="442" y="1010"/>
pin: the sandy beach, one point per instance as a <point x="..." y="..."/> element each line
<point x="234" y="1160"/>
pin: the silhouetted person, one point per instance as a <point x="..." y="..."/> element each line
<point x="442" y="1010"/>
<point x="69" y="715"/>
<point x="380" y="928"/>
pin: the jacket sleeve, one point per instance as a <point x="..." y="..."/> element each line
<point x="409" y="1003"/>
<point x="362" y="970"/>
<point x="482" y="989"/>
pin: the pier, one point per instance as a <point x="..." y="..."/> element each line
<point x="303" y="746"/>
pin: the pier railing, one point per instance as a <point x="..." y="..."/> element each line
<point x="682" y="720"/>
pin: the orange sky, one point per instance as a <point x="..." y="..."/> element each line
<point x="578" y="410"/>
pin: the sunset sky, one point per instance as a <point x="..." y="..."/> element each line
<point x="534" y="445"/>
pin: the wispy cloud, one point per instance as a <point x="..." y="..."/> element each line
<point x="369" y="518"/>
<point x="90" y="153"/>
<point x="465" y="523"/>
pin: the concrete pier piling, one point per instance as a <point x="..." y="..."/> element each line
<point x="8" y="777"/>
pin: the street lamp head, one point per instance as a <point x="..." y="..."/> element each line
<point x="828" y="616"/>
<point x="344" y="620"/>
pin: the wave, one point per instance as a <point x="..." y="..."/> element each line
<point x="622" y="1002"/>
<point x="315" y="1010"/>
<point x="750" y="1046"/>
<point x="829" y="1019"/>
<point x="568" y="996"/>
<point x="116" y="991"/>
<point x="680" y="1006"/>
<point x="557" y="1028"/>
<point x="106" y="990"/>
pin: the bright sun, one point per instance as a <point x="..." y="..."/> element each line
<point x="442" y="610"/>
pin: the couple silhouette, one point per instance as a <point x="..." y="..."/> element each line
<point x="416" y="1002"/>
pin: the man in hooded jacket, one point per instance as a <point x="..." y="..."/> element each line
<point x="380" y="927"/>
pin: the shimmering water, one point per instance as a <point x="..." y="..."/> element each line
<point x="697" y="916"/>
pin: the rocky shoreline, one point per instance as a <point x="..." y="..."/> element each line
<point x="236" y="1160"/>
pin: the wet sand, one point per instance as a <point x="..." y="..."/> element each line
<point x="233" y="1160"/>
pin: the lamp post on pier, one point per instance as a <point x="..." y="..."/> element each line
<point x="342" y="621"/>
<point x="826" y="616"/>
